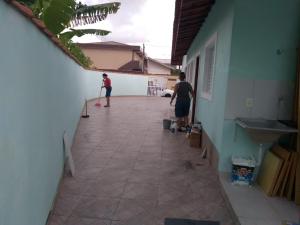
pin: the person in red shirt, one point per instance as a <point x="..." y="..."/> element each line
<point x="107" y="85"/>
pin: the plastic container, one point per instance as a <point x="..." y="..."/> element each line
<point x="197" y="125"/>
<point x="242" y="170"/>
<point x="173" y="127"/>
<point x="166" y="123"/>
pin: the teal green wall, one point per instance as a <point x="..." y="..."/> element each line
<point x="235" y="142"/>
<point x="211" y="112"/>
<point x="42" y="92"/>
<point x="261" y="27"/>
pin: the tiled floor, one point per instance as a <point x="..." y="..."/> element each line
<point x="253" y="207"/>
<point x="132" y="172"/>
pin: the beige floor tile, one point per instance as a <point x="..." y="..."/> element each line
<point x="132" y="172"/>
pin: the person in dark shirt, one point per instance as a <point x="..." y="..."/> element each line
<point x="107" y="85"/>
<point x="182" y="90"/>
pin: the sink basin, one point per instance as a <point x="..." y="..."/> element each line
<point x="263" y="130"/>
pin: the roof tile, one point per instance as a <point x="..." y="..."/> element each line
<point x="24" y="9"/>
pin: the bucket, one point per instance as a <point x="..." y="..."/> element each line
<point x="166" y="123"/>
<point x="242" y="170"/>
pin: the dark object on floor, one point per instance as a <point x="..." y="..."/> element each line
<point x="86" y="113"/>
<point x="188" y="165"/>
<point x="169" y="221"/>
<point x="166" y="124"/>
<point x="182" y="129"/>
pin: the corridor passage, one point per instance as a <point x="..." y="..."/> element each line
<point x="129" y="171"/>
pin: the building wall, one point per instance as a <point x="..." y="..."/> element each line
<point x="42" y="93"/>
<point x="154" y="68"/>
<point x="262" y="69"/>
<point x="171" y="82"/>
<point x="211" y="112"/>
<point x="110" y="58"/>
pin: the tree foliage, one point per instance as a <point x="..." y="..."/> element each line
<point x="61" y="16"/>
<point x="27" y="2"/>
<point x="85" y="14"/>
<point x="77" y="52"/>
<point x="80" y="32"/>
<point x="58" y="14"/>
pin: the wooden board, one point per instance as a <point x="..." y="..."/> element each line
<point x="285" y="156"/>
<point x="297" y="181"/>
<point x="292" y="176"/>
<point x="297" y="175"/>
<point x="269" y="172"/>
<point x="283" y="189"/>
<point x="68" y="154"/>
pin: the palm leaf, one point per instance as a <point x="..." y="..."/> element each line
<point x="39" y="6"/>
<point x="91" y="14"/>
<point x="27" y="2"/>
<point x="80" y="32"/>
<point x="58" y="14"/>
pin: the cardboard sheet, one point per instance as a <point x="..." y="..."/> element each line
<point x="269" y="172"/>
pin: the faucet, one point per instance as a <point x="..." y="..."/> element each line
<point x="280" y="100"/>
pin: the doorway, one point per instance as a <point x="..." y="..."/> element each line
<point x="195" y="88"/>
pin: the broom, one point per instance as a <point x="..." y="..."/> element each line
<point x="98" y="104"/>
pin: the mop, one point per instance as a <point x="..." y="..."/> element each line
<point x="98" y="104"/>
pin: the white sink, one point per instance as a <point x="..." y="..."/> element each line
<point x="263" y="130"/>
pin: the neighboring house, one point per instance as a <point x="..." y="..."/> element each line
<point x="122" y="57"/>
<point x="156" y="67"/>
<point x="113" y="55"/>
<point x="166" y="62"/>
<point x="245" y="55"/>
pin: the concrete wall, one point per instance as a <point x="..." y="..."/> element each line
<point x="42" y="92"/>
<point x="211" y="112"/>
<point x="110" y="58"/>
<point x="262" y="68"/>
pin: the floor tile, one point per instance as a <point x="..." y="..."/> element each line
<point x="103" y="188"/>
<point x="56" y="220"/>
<point x="86" y="221"/>
<point x="73" y="186"/>
<point x="64" y="205"/>
<point x="139" y="176"/>
<point x="129" y="171"/>
<point x="89" y="173"/>
<point x="114" y="174"/>
<point x="92" y="207"/>
<point x="120" y="164"/>
<point x="141" y="191"/>
<point x="132" y="209"/>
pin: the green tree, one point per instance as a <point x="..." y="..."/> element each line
<point x="27" y="2"/>
<point x="61" y="16"/>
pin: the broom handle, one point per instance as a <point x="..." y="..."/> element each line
<point x="101" y="90"/>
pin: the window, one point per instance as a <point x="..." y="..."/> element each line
<point x="189" y="71"/>
<point x="209" y="65"/>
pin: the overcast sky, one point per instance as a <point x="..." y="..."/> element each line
<point x="137" y="22"/>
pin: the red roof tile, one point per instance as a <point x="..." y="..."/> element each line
<point x="24" y="9"/>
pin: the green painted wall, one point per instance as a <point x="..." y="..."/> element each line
<point x="235" y="142"/>
<point x="211" y="113"/>
<point x="261" y="27"/>
<point x="42" y="92"/>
